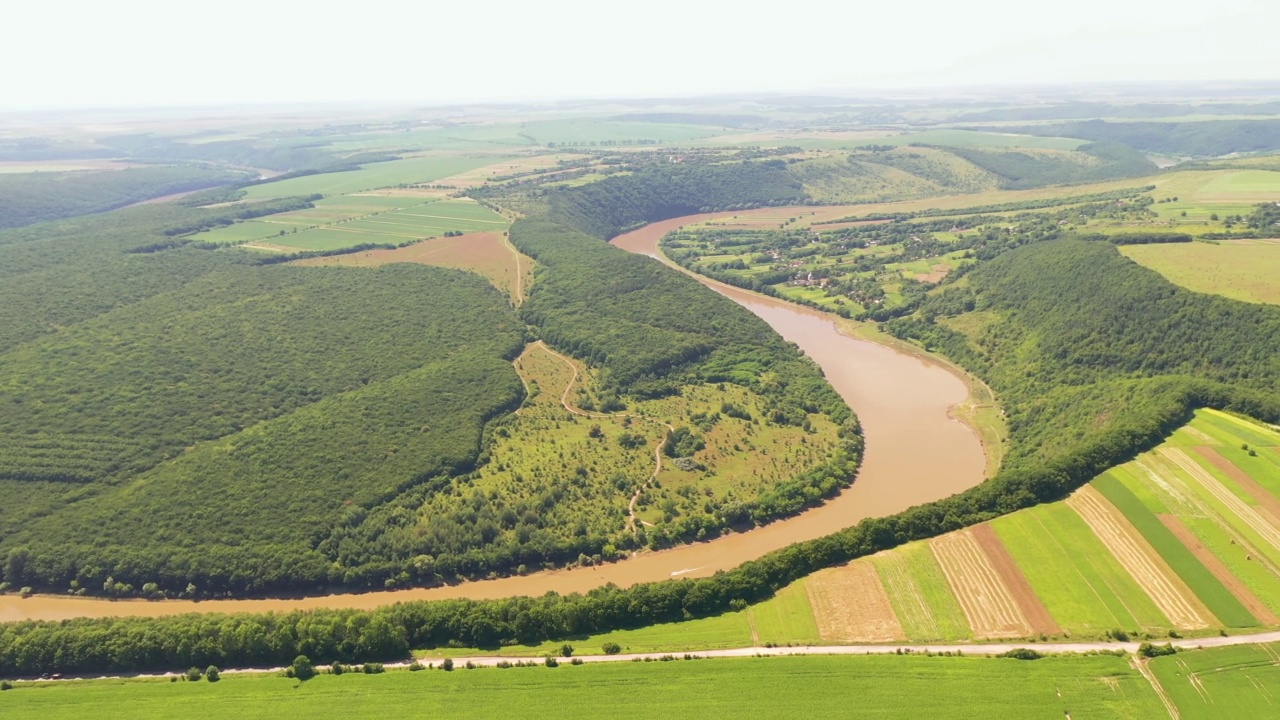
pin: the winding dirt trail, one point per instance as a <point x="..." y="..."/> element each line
<point x="916" y="452"/>
<point x="657" y="450"/>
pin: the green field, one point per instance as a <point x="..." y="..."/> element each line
<point x="1079" y="581"/>
<point x="920" y="595"/>
<point x="374" y="175"/>
<point x="1247" y="270"/>
<point x="349" y="220"/>
<point x="786" y="618"/>
<point x="1207" y="588"/>
<point x="1230" y="682"/>
<point x="824" y="687"/>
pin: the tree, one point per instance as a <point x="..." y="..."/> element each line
<point x="193" y="674"/>
<point x="302" y="668"/>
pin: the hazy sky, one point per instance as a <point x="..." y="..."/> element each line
<point x="140" y="52"/>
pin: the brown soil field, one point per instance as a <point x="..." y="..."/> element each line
<point x="1033" y="610"/>
<point x="1136" y="556"/>
<point x="850" y="605"/>
<point x="485" y="253"/>
<point x="1220" y="571"/>
<point x="1246" y="483"/>
<point x="1259" y="520"/>
<point x="987" y="603"/>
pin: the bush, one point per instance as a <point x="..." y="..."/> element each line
<point x="1021" y="654"/>
<point x="194" y="674"/>
<point x="415" y="666"/>
<point x="611" y="648"/>
<point x="5" y="685"/>
<point x="302" y="668"/>
<point x="337" y="669"/>
<point x="447" y="665"/>
<point x="373" y="668"/>
<point x="550" y="661"/>
<point x="1146" y="649"/>
<point x="211" y="674"/>
<point x="576" y="661"/>
<point x="566" y="650"/>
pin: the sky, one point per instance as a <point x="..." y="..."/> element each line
<point x="131" y="53"/>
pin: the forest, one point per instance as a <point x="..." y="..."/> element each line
<point x="1211" y="138"/>
<point x="27" y="198"/>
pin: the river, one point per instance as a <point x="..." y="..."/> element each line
<point x="916" y="452"/>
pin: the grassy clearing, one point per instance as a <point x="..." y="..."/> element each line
<point x="1207" y="588"/>
<point x="1247" y="270"/>
<point x="1231" y="682"/>
<point x="391" y="225"/>
<point x="920" y="595"/>
<point x="372" y="176"/>
<point x="825" y="687"/>
<point x="1085" y="590"/>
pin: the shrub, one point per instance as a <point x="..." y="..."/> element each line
<point x="1146" y="649"/>
<point x="1021" y="654"/>
<point x="373" y="668"/>
<point x="550" y="661"/>
<point x="447" y="665"/>
<point x="194" y="674"/>
<point x="5" y="685"/>
<point x="611" y="648"/>
<point x="415" y="666"/>
<point x="566" y="650"/>
<point x="302" y="668"/>
<point x="211" y="674"/>
<point x="576" y="661"/>
<point x="337" y="669"/>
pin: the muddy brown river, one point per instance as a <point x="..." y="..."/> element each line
<point x="916" y="452"/>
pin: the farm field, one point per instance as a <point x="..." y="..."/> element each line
<point x="1126" y="554"/>
<point x="485" y="253"/>
<point x="1247" y="270"/>
<point x="828" y="140"/>
<point x="1230" y="682"/>
<point x="406" y="171"/>
<point x="352" y="220"/>
<point x="826" y="687"/>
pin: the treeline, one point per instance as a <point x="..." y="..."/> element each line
<point x="1086" y="110"/>
<point x="1140" y="238"/>
<point x="1210" y="138"/>
<point x="27" y="198"/>
<point x="1021" y="170"/>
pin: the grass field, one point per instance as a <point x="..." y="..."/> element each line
<point x="391" y="221"/>
<point x="1200" y="193"/>
<point x="820" y="687"/>
<point x="819" y="140"/>
<point x="1084" y="588"/>
<point x="374" y="175"/>
<point x="1247" y="270"/>
<point x="1231" y="682"/>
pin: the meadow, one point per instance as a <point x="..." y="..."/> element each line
<point x="825" y="687"/>
<point x="1246" y="270"/>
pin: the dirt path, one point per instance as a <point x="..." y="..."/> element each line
<point x="518" y="298"/>
<point x="1139" y="559"/>
<point x="1141" y="665"/>
<point x="657" y="450"/>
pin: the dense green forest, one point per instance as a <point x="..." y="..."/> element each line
<point x="27" y="198"/>
<point x="1210" y="138"/>
<point x="1088" y="345"/>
